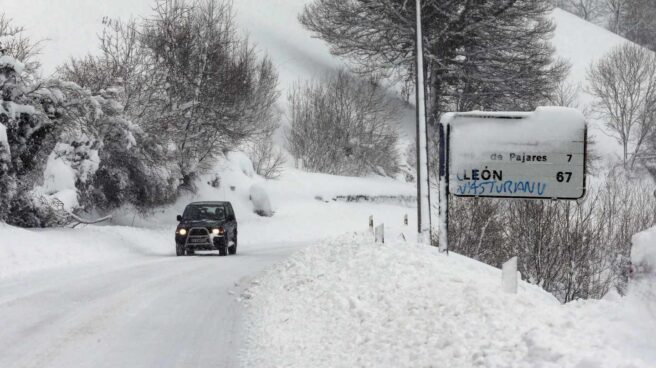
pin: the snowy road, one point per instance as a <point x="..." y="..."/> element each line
<point x="146" y="312"/>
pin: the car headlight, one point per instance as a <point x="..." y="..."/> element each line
<point x="216" y="231"/>
<point x="182" y="231"/>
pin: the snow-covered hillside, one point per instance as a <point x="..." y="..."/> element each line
<point x="273" y="26"/>
<point x="582" y="43"/>
<point x="350" y="302"/>
<point x="307" y="207"/>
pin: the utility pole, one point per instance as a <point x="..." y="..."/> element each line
<point x="423" y="187"/>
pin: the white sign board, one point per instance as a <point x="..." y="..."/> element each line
<point x="537" y="154"/>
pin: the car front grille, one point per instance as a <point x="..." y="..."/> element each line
<point x="199" y="232"/>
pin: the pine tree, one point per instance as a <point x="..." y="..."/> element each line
<point x="478" y="54"/>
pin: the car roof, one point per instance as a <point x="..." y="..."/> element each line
<point x="209" y="202"/>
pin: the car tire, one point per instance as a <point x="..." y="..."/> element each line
<point x="233" y="250"/>
<point x="223" y="251"/>
<point x="191" y="252"/>
<point x="179" y="251"/>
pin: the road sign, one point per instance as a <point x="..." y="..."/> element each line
<point x="533" y="155"/>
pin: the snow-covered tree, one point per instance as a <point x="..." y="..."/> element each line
<point x="217" y="92"/>
<point x="479" y="54"/>
<point x="24" y="138"/>
<point x="624" y="86"/>
<point x="343" y="126"/>
<point x="188" y="79"/>
<point x="134" y="167"/>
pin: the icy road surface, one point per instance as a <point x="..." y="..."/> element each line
<point x="159" y="311"/>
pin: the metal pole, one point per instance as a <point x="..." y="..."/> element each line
<point x="423" y="199"/>
<point x="444" y="133"/>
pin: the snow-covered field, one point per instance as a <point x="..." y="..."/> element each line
<point x="349" y="302"/>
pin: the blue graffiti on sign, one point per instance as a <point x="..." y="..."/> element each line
<point x="492" y="187"/>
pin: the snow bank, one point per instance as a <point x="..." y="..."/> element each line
<point x="629" y="322"/>
<point x="261" y="201"/>
<point x="643" y="254"/>
<point x="353" y="303"/>
<point x="23" y="251"/>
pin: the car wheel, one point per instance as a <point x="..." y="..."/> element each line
<point x="179" y="251"/>
<point x="191" y="252"/>
<point x="233" y="249"/>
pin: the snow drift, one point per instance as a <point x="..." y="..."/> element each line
<point x="643" y="254"/>
<point x="353" y="303"/>
<point x="28" y="250"/>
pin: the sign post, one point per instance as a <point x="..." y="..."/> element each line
<point x="423" y="195"/>
<point x="443" y="130"/>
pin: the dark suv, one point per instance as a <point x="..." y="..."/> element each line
<point x="206" y="226"/>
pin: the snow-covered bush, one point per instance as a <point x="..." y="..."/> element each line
<point x="216" y="93"/>
<point x="643" y="270"/>
<point x="643" y="255"/>
<point x="575" y="250"/>
<point x="133" y="125"/>
<point x="199" y="98"/>
<point x="26" y="122"/>
<point x="64" y="149"/>
<point x="260" y="199"/>
<point x="7" y="181"/>
<point x="343" y="126"/>
<point x="268" y="160"/>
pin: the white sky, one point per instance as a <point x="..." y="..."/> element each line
<point x="71" y="27"/>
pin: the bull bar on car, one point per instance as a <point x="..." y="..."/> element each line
<point x="200" y="236"/>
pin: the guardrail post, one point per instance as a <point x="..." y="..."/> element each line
<point x="380" y="233"/>
<point x="509" y="276"/>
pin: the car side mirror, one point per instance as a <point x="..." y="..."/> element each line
<point x="231" y="218"/>
<point x="179" y="218"/>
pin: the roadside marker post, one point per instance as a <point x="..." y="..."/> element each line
<point x="509" y="276"/>
<point x="379" y="233"/>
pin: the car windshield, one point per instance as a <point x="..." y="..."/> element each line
<point x="204" y="212"/>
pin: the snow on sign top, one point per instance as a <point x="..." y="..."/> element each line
<point x="539" y="155"/>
